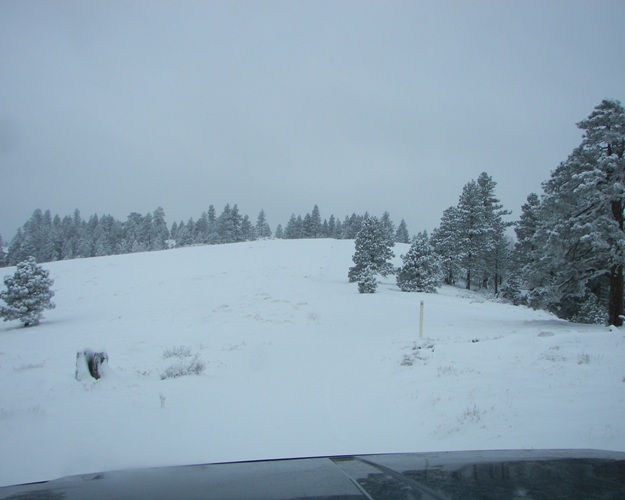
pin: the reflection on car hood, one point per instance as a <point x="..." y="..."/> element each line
<point x="535" y="474"/>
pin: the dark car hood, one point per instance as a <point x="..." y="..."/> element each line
<point x="535" y="474"/>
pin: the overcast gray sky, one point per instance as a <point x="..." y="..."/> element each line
<point x="120" y="106"/>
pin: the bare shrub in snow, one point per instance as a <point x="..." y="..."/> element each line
<point x="184" y="366"/>
<point x="471" y="415"/>
<point x="420" y="352"/>
<point x="583" y="359"/>
<point x="447" y="371"/>
<point x="181" y="351"/>
<point x="407" y="360"/>
<point x="313" y="317"/>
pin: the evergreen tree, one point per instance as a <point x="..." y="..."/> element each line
<point x="352" y="226"/>
<point x="525" y="229"/>
<point x="471" y="237"/>
<point x="332" y="232"/>
<point x="312" y="224"/>
<point x="248" y="232"/>
<point x="201" y="230"/>
<point x="28" y="293"/>
<point x="338" y="231"/>
<point x="470" y="231"/>
<point x="444" y="241"/>
<point x="229" y="224"/>
<point x="213" y="231"/>
<point x="511" y="291"/>
<point x="185" y="237"/>
<point x="307" y="230"/>
<point x="237" y="221"/>
<point x="173" y="232"/>
<point x="131" y="232"/>
<point x="160" y="233"/>
<point x="495" y="249"/>
<point x="279" y="232"/>
<point x="581" y="223"/>
<point x="388" y="225"/>
<point x="146" y="233"/>
<point x="401" y="235"/>
<point x="262" y="228"/>
<point x="421" y="269"/>
<point x="373" y="249"/>
<point x="291" y="230"/>
<point x="367" y="282"/>
<point x="325" y="229"/>
<point x="17" y="251"/>
<point x="3" y="254"/>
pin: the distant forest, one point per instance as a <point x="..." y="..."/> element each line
<point x="568" y="257"/>
<point x="50" y="238"/>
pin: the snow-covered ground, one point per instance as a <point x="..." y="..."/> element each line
<point x="297" y="364"/>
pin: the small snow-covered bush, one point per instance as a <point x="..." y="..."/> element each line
<point x="591" y="311"/>
<point x="181" y="351"/>
<point x="190" y="365"/>
<point x="28" y="293"/>
<point x="511" y="292"/>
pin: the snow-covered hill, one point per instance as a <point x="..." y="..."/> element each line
<point x="297" y="364"/>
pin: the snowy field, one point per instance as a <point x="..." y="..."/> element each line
<point x="297" y="364"/>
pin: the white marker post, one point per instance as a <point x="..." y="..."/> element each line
<point x="421" y="321"/>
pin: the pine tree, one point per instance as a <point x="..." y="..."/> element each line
<point x="373" y="249"/>
<point x="332" y="233"/>
<point x="325" y="229"/>
<point x="471" y="237"/>
<point x="581" y="219"/>
<point x="525" y="229"/>
<point x="401" y="235"/>
<point x="173" y="232"/>
<point x="367" y="282"/>
<point x="471" y="231"/>
<point x="581" y="223"/>
<point x="388" y="225"/>
<point x="3" y="254"/>
<point x="293" y="228"/>
<point x="279" y="232"/>
<point x="352" y="226"/>
<point x="307" y="230"/>
<point x="28" y="293"/>
<point x="201" y="230"/>
<point x="213" y="233"/>
<point x="511" y="291"/>
<point x="229" y="224"/>
<point x="445" y="242"/>
<point x="262" y="228"/>
<point x="495" y="249"/>
<point x="421" y="269"/>
<point x="314" y="226"/>
<point x="248" y="232"/>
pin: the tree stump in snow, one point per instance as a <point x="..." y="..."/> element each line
<point x="90" y="364"/>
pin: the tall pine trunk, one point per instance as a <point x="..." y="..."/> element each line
<point x="615" y="304"/>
